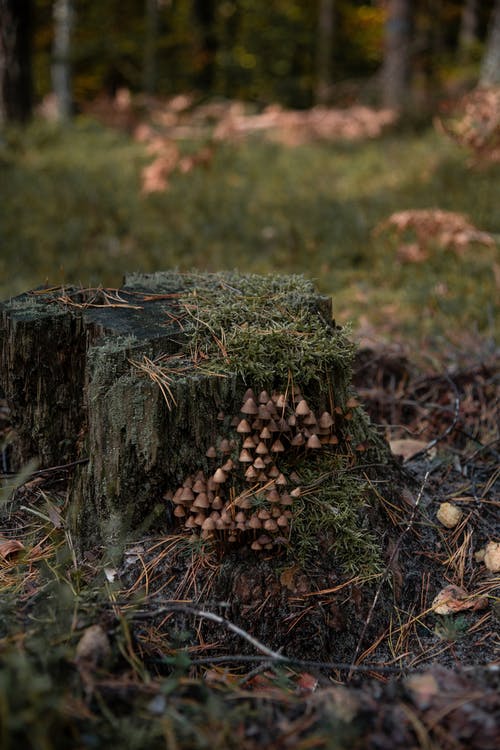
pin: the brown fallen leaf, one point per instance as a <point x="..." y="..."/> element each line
<point x="407" y="448"/>
<point x="9" y="547"/>
<point x="453" y="599"/>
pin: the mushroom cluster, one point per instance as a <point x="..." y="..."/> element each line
<point x="248" y="498"/>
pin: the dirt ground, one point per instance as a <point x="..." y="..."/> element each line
<point x="170" y="644"/>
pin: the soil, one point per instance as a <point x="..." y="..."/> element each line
<point x="367" y="664"/>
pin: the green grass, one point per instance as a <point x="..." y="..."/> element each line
<point x="71" y="211"/>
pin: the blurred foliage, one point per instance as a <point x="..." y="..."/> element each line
<point x="251" y="49"/>
<point x="261" y="207"/>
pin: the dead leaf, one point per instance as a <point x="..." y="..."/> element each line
<point x="407" y="448"/>
<point x="287" y="577"/>
<point x="9" y="547"/>
<point x="453" y="599"/>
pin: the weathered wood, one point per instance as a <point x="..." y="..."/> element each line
<point x="67" y="368"/>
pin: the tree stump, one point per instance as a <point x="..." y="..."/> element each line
<point x="214" y="405"/>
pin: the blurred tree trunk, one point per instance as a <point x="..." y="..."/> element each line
<point x="490" y="68"/>
<point x="468" y="29"/>
<point x="205" y="13"/>
<point x="16" y="89"/>
<point x="149" y="71"/>
<point x="397" y="65"/>
<point x="324" y="51"/>
<point x="63" y="12"/>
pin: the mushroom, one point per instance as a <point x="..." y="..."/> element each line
<point x="302" y="409"/>
<point x="208" y="524"/>
<point x="220" y="416"/>
<point x="168" y="495"/>
<point x="277" y="446"/>
<point x="199" y="486"/>
<point x="251" y="473"/>
<point x="190" y="523"/>
<point x="240" y="517"/>
<point x="249" y="406"/>
<point x="259" y="463"/>
<point x="333" y="440"/>
<point x="228" y="465"/>
<point x="270" y="525"/>
<point x="325" y="421"/>
<point x="297" y="440"/>
<point x="225" y="446"/>
<point x="244" y="502"/>
<point x="254" y="522"/>
<point x="273" y="472"/>
<point x="226" y="517"/>
<point x="282" y="521"/>
<point x="201" y="501"/>
<point x="243" y="427"/>
<point x="264" y="397"/>
<point x="220" y="476"/>
<point x="313" y="442"/>
<point x="264" y="539"/>
<point x="186" y="495"/>
<point x="281" y="480"/>
<point x="199" y="519"/>
<point x="286" y="499"/>
<point x="264" y="412"/>
<point x="248" y="394"/>
<point x="261" y="449"/>
<point x="256" y="546"/>
<point x="296" y="492"/>
<point x="245" y="457"/>
<point x="249" y="443"/>
<point x="273" y="496"/>
<point x="179" y="511"/>
<point x="265" y="433"/>
<point x="212" y="485"/>
<point x="263" y="514"/>
<point x="211" y="452"/>
<point x="281" y="401"/>
<point x="292" y="420"/>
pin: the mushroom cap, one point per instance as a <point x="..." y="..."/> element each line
<point x="273" y="472"/>
<point x="256" y="546"/>
<point x="296" y="492"/>
<point x="220" y="415"/>
<point x="249" y="393"/>
<point x="264" y="412"/>
<point x="326" y="420"/>
<point x="199" y="519"/>
<point x="259" y="463"/>
<point x="302" y="409"/>
<point x="273" y="496"/>
<point x="277" y="446"/>
<point x="190" y="522"/>
<point x="292" y="420"/>
<point x="243" y="427"/>
<point x="168" y="495"/>
<point x="201" y="501"/>
<point x="264" y="539"/>
<point x="264" y="397"/>
<point x="297" y="440"/>
<point x="265" y="433"/>
<point x="228" y="465"/>
<point x="244" y="502"/>
<point x="261" y="449"/>
<point x="208" y="524"/>
<point x="249" y="406"/>
<point x="281" y="401"/>
<point x="281" y="480"/>
<point x="313" y="442"/>
<point x="333" y="440"/>
<point x="226" y="516"/>
<point x="248" y="443"/>
<point x="263" y="514"/>
<point x="211" y="452"/>
<point x="179" y="511"/>
<point x="286" y="499"/>
<point x="186" y="495"/>
<point x="217" y="503"/>
<point x="225" y="445"/>
<point x="245" y="457"/>
<point x="270" y="525"/>
<point x="199" y="486"/>
<point x="220" y="476"/>
<point x="240" y="517"/>
<point x="254" y="522"/>
<point x="282" y="521"/>
<point x="211" y="485"/>
<point x="251" y="473"/>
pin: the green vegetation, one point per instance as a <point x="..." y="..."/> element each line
<point x="72" y="211"/>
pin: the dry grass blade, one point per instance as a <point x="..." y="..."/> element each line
<point x="158" y="375"/>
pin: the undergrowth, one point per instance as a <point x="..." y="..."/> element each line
<point x="261" y="207"/>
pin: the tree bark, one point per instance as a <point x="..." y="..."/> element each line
<point x="63" y="12"/>
<point x="149" y="72"/>
<point x="490" y="68"/>
<point x="324" y="57"/>
<point x="397" y="66"/>
<point x="16" y="89"/>
<point x="468" y="35"/>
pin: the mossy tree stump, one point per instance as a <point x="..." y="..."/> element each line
<point x="167" y="381"/>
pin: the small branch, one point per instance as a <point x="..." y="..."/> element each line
<point x="274" y="655"/>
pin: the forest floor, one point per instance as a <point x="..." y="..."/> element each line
<point x="90" y="657"/>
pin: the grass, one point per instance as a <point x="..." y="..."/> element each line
<point x="72" y="211"/>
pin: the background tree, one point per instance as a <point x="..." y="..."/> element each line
<point x="324" y="50"/>
<point x="490" y="68"/>
<point x="397" y="67"/>
<point x="61" y="62"/>
<point x="16" y="90"/>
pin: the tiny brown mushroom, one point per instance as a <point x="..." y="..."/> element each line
<point x="208" y="524"/>
<point x="249" y="407"/>
<point x="333" y="440"/>
<point x="251" y="473"/>
<point x="240" y="517"/>
<point x="199" y="486"/>
<point x="256" y="546"/>
<point x="220" y="416"/>
<point x="281" y="401"/>
<point x="259" y="463"/>
<point x="190" y="523"/>
<point x="220" y="476"/>
<point x="282" y="521"/>
<point x="264" y="539"/>
<point x="286" y="499"/>
<point x="243" y="427"/>
<point x="248" y="443"/>
<point x="255" y="522"/>
<point x="302" y="409"/>
<point x="292" y="420"/>
<point x="325" y="421"/>
<point x="281" y="480"/>
<point x="199" y="518"/>
<point x="270" y="525"/>
<point x="297" y="440"/>
<point x="201" y="501"/>
<point x="277" y="446"/>
<point x="217" y="503"/>
<point x="244" y="502"/>
<point x="232" y="538"/>
<point x="273" y="496"/>
<point x="187" y="495"/>
<point x="265" y="433"/>
<point x="228" y="465"/>
<point x="313" y="442"/>
<point x="225" y="445"/>
<point x="273" y="472"/>
<point x="296" y="492"/>
<point x="261" y="449"/>
<point x="264" y="412"/>
<point x="263" y="514"/>
<point x="249" y="393"/>
<point x="245" y="457"/>
<point x="264" y="397"/>
<point x="179" y="511"/>
<point x="168" y="495"/>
